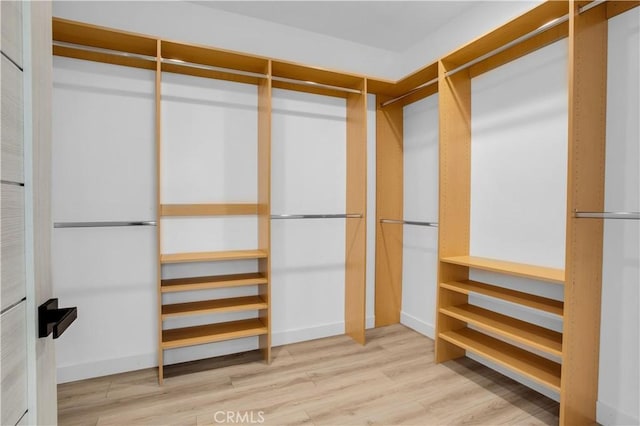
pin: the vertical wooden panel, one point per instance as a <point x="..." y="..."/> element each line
<point x="13" y="356"/>
<point x="12" y="264"/>
<point x="389" y="205"/>
<point x="264" y="204"/>
<point x="356" y="229"/>
<point x="158" y="130"/>
<point x="455" y="190"/>
<point x="587" y="131"/>
<point x="11" y="122"/>
<point x="41" y="111"/>
<point x="12" y="29"/>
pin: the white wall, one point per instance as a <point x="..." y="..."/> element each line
<point x="104" y="169"/>
<point x="308" y="169"/>
<point x="619" y="387"/>
<point x="420" y="244"/>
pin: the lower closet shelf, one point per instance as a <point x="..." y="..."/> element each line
<point x="233" y="304"/>
<point x="209" y="333"/>
<point x="211" y="282"/>
<point x="534" y="367"/>
<point x="541" y="338"/>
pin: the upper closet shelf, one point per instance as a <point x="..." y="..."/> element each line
<point x="535" y="272"/>
<point x="212" y="256"/>
<point x="214" y="209"/>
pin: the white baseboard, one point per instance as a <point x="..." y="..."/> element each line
<point x="418" y="325"/>
<point x="279" y="338"/>
<point x="105" y="367"/>
<point x="609" y="416"/>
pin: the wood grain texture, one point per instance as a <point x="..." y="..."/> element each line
<point x="264" y="205"/>
<point x="12" y="250"/>
<point x="615" y="8"/>
<point x="356" y="229"/>
<point x="11" y="14"/>
<point x="216" y="209"/>
<point x="551" y="306"/>
<point x="303" y="73"/>
<point x="391" y="380"/>
<point x="205" y="55"/>
<point x="11" y="121"/>
<point x="201" y="307"/>
<point x="13" y="355"/>
<point x="389" y="205"/>
<point x="42" y="88"/>
<point x="585" y="191"/>
<point x="211" y="282"/>
<point x="106" y="58"/>
<point x="200" y="334"/>
<point x="212" y="256"/>
<point x="454" y="104"/>
<point x="540" y="338"/>
<point x="534" y="367"/>
<point x="542" y="273"/>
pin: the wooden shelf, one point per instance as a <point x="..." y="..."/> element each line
<point x="534" y="367"/>
<point x="210" y="282"/>
<point x="541" y="338"/>
<point x="532" y="301"/>
<point x="234" y="304"/>
<point x="201" y="334"/>
<point x="535" y="272"/>
<point x="212" y="256"/>
<point x="213" y="209"/>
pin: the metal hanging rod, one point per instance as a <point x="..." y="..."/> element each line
<point x="106" y="51"/>
<point x="317" y="216"/>
<point x="525" y="37"/>
<point x="313" y="83"/>
<point x="102" y="224"/>
<point x="410" y="92"/>
<point x="409" y="222"/>
<point x="591" y="5"/>
<point x="212" y="68"/>
<point x="607" y="215"/>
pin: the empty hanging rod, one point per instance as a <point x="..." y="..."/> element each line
<point x="410" y="92"/>
<point x="106" y="51"/>
<point x="102" y="224"/>
<point x="313" y="83"/>
<point x="409" y="222"/>
<point x="317" y="216"/>
<point x="607" y="215"/>
<point x="212" y="68"/>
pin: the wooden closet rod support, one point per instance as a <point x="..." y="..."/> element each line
<point x="102" y="224"/>
<point x="409" y="222"/>
<point x="607" y="215"/>
<point x="317" y="216"/>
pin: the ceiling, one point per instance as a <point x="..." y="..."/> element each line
<point x="390" y="25"/>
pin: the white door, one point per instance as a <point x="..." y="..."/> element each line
<point x="28" y="388"/>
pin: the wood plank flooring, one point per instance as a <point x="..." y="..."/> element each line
<point x="392" y="380"/>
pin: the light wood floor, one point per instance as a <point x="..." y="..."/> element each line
<point x="333" y="381"/>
